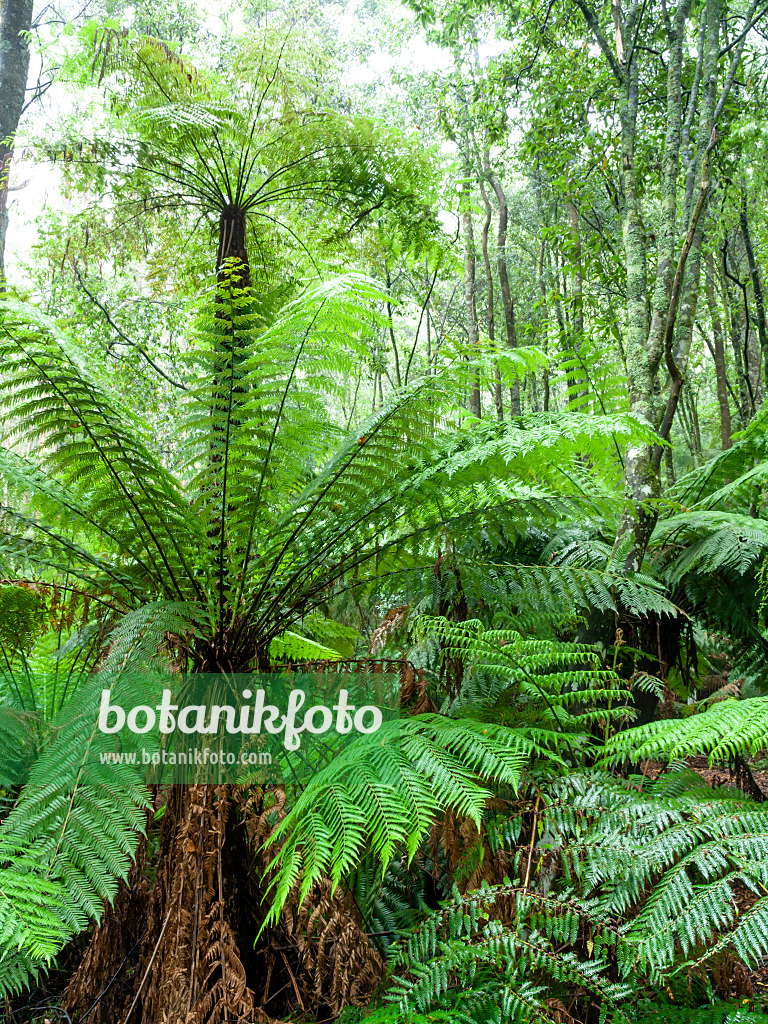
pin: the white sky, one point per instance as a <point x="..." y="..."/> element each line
<point x="35" y="186"/>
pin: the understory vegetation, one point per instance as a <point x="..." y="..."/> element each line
<point x="421" y="345"/>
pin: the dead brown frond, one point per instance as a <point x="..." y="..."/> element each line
<point x="393" y="622"/>
<point x="318" y="958"/>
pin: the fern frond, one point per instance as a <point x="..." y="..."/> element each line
<point x="383" y="793"/>
<point x="71" y="834"/>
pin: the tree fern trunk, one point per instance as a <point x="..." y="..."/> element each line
<point x="232" y="242"/>
<point x="196" y="948"/>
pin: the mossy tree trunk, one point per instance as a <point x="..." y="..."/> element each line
<point x="15" y="23"/>
<point x="660" y="312"/>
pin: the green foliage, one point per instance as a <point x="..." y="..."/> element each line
<point x="723" y="1013"/>
<point x="664" y="860"/>
<point x="559" y="687"/>
<point x="292" y="647"/>
<point x="250" y="135"/>
<point x="273" y="503"/>
<point x="71" y="833"/>
<point x="382" y="793"/>
<point x="230" y="538"/>
<point x="723" y="730"/>
<point x="22" y="615"/>
<point x="649" y="878"/>
<point x="465" y="961"/>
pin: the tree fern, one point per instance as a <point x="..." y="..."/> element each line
<point x="723" y="730"/>
<point x="491" y="954"/>
<point x="72" y="832"/>
<point x="666" y="860"/>
<point x="647" y="892"/>
<point x="564" y="682"/>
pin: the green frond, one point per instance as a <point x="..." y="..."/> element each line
<point x="72" y="832"/>
<point x="723" y="730"/>
<point x="383" y="793"/>
<point x="709" y="542"/>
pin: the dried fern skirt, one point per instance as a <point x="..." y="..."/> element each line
<point x="182" y="948"/>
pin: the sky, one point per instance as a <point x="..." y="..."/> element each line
<point x="35" y="186"/>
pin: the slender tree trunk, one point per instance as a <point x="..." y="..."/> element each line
<point x="391" y="329"/>
<point x="469" y="287"/>
<point x="698" y="168"/>
<point x="544" y="299"/>
<point x="429" y="342"/>
<point x="670" y="464"/>
<point x="578" y="382"/>
<point x="719" y="356"/>
<point x="15" y="21"/>
<point x="490" y="316"/>
<point x="739" y="333"/>
<point x="507" y="301"/>
<point x="754" y="361"/>
<point x="560" y="315"/>
<point x="640" y="476"/>
<point x="684" y="421"/>
<point x="695" y="427"/>
<point x="762" y="330"/>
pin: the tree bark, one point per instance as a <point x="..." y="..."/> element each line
<point x="490" y="316"/>
<point x="651" y="317"/>
<point x="762" y="331"/>
<point x="719" y="356"/>
<point x="736" y="321"/>
<point x="469" y="288"/>
<point x="15" y="22"/>
<point x="545" y="333"/>
<point x="391" y="329"/>
<point x="577" y="383"/>
<point x="507" y="301"/>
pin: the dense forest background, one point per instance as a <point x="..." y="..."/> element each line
<point x="419" y="342"/>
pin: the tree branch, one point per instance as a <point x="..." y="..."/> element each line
<point x="124" y="337"/>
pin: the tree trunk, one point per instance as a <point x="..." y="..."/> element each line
<point x="232" y="243"/>
<point x="469" y="288"/>
<point x="15" y="21"/>
<point x="577" y="382"/>
<point x="739" y="332"/>
<point x="719" y="356"/>
<point x="545" y="345"/>
<point x="507" y="301"/>
<point x="762" y="331"/>
<point x="391" y="329"/>
<point x="670" y="464"/>
<point x="490" y="317"/>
